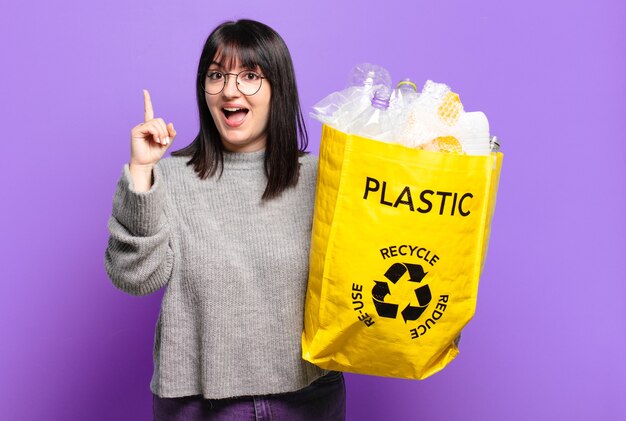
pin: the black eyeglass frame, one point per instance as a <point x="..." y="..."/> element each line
<point x="236" y="82"/>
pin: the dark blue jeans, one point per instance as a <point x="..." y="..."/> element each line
<point x="323" y="400"/>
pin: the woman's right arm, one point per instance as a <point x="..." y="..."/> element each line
<point x="139" y="258"/>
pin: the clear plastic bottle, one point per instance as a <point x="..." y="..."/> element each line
<point x="339" y="109"/>
<point x="375" y="122"/>
<point x="402" y="99"/>
<point x="404" y="94"/>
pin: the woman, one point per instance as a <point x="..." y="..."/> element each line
<point x="224" y="224"/>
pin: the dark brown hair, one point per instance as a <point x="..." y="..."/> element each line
<point x="254" y="45"/>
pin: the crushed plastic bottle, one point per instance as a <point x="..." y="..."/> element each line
<point x="340" y="108"/>
<point x="404" y="95"/>
<point x="375" y="122"/>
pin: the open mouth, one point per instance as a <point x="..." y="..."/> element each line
<point x="235" y="115"/>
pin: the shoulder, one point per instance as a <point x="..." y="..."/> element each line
<point x="309" y="161"/>
<point x="308" y="170"/>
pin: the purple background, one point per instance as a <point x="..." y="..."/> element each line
<point x="548" y="340"/>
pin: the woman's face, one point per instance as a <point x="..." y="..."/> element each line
<point x="241" y="120"/>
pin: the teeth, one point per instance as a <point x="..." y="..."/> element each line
<point x="232" y="109"/>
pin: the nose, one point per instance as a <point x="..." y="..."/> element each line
<point x="230" y="88"/>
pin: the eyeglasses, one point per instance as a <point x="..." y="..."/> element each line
<point x="247" y="82"/>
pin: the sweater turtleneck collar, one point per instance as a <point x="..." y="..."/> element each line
<point x="244" y="160"/>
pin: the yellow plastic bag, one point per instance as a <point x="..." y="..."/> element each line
<point x="399" y="239"/>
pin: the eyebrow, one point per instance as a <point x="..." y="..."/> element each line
<point x="257" y="68"/>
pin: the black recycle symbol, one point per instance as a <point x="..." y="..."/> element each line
<point x="394" y="274"/>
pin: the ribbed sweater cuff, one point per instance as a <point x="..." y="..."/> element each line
<point x="139" y="212"/>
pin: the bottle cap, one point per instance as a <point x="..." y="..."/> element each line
<point x="406" y="84"/>
<point x="381" y="99"/>
<point x="494" y="143"/>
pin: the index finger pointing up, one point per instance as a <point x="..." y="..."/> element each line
<point x="148" y="112"/>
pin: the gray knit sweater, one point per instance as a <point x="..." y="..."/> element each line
<point x="235" y="271"/>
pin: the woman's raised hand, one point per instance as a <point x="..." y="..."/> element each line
<point x="148" y="143"/>
<point x="149" y="140"/>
